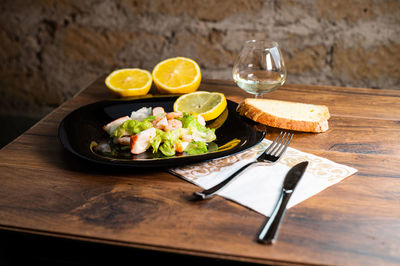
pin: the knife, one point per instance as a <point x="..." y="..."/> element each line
<point x="269" y="232"/>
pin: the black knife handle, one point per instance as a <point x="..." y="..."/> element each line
<point x="269" y="232"/>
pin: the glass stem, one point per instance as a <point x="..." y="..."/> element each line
<point x="258" y="96"/>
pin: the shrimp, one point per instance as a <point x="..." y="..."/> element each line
<point x="159" y="114"/>
<point x="158" y="111"/>
<point x="160" y="124"/>
<point x="173" y="124"/>
<point x="173" y="115"/>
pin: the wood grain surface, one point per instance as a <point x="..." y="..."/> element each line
<point x="44" y="190"/>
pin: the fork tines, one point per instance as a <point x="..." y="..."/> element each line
<point x="279" y="145"/>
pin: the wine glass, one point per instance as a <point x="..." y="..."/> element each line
<point x="259" y="67"/>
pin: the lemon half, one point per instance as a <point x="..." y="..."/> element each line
<point x="207" y="104"/>
<point x="129" y="82"/>
<point x="177" y="75"/>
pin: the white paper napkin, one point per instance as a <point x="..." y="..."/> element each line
<point x="259" y="187"/>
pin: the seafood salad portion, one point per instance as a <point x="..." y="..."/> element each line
<point x="161" y="132"/>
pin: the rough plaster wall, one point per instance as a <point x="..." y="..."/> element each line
<point x="50" y="49"/>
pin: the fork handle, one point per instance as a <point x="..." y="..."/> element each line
<point x="269" y="232"/>
<point x="205" y="194"/>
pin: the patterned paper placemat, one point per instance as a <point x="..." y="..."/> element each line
<point x="259" y="187"/>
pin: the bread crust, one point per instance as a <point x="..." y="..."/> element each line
<point x="262" y="117"/>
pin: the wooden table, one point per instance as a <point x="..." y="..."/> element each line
<point x="46" y="192"/>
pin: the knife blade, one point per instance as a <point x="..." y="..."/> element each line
<point x="269" y="232"/>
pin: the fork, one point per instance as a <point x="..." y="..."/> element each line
<point x="270" y="156"/>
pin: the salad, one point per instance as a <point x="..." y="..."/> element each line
<point x="161" y="132"/>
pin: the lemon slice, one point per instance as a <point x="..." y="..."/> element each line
<point x="129" y="82"/>
<point x="177" y="75"/>
<point x="207" y="104"/>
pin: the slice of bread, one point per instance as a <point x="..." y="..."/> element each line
<point x="286" y="115"/>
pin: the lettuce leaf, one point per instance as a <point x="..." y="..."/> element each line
<point x="167" y="148"/>
<point x="169" y="141"/>
<point x="156" y="141"/>
<point x="189" y="121"/>
<point x="165" y="142"/>
<point x="172" y="136"/>
<point x="198" y="131"/>
<point x="196" y="147"/>
<point x="131" y="127"/>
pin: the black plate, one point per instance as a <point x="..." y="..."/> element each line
<point x="84" y="125"/>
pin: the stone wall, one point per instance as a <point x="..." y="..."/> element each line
<point x="50" y="49"/>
